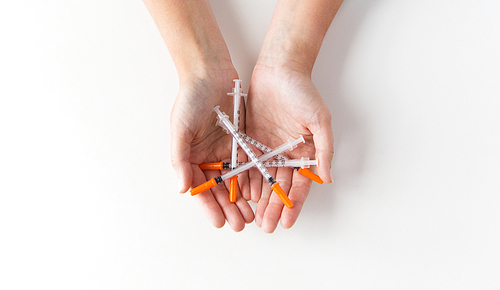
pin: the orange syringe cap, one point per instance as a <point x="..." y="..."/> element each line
<point x="233" y="188"/>
<point x="311" y="175"/>
<point x="211" y="166"/>
<point x="281" y="194"/>
<point x="205" y="186"/>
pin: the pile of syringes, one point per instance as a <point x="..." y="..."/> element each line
<point x="261" y="162"/>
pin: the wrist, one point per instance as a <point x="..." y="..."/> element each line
<point x="290" y="45"/>
<point x="200" y="49"/>
<point x="205" y="77"/>
<point x="203" y="64"/>
<point x="296" y="33"/>
<point x="191" y="33"/>
<point x="287" y="52"/>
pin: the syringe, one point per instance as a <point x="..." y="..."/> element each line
<point x="289" y="145"/>
<point x="295" y="163"/>
<point x="224" y="121"/>
<point x="304" y="171"/>
<point x="237" y="94"/>
<point x="259" y="145"/>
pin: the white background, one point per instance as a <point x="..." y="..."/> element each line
<point x="89" y="200"/>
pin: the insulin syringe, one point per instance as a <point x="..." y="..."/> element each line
<point x="237" y="94"/>
<point x="301" y="169"/>
<point x="289" y="145"/>
<point x="224" y="121"/>
<point x="295" y="163"/>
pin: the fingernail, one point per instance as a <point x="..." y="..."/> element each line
<point x="331" y="175"/>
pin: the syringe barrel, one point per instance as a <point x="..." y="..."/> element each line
<point x="261" y="146"/>
<point x="265" y="157"/>
<point x="288" y="145"/>
<point x="303" y="162"/>
<point x="236" y="119"/>
<point x="224" y="119"/>
<point x="237" y="170"/>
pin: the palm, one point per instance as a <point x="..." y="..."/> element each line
<point x="196" y="139"/>
<point x="284" y="105"/>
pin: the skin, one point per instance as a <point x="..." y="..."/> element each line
<point x="206" y="74"/>
<point x="283" y="103"/>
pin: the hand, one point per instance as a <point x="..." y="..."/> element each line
<point x="283" y="103"/>
<point x="195" y="139"/>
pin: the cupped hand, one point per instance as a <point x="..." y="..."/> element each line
<point x="196" y="139"/>
<point x="282" y="104"/>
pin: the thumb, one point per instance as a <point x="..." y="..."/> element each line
<point x="323" y="142"/>
<point x="180" y="156"/>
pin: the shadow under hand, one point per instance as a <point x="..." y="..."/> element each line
<point x="349" y="127"/>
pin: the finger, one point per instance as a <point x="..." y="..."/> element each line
<point x="264" y="196"/>
<point x="229" y="209"/>
<point x="262" y="205"/>
<point x="243" y="178"/>
<point x="255" y="184"/>
<point x="180" y="154"/>
<point x="245" y="209"/>
<point x="241" y="203"/>
<point x="244" y="185"/>
<point x="323" y="142"/>
<point x="209" y="205"/>
<point x="265" y="189"/>
<point x="284" y="178"/>
<point x="272" y="214"/>
<point x="273" y="211"/>
<point x="298" y="193"/>
<point x="245" y="195"/>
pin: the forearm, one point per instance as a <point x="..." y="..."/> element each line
<point x="191" y="34"/>
<point x="296" y="33"/>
